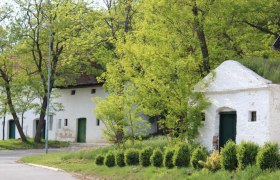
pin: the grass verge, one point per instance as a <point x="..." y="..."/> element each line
<point x="13" y="144"/>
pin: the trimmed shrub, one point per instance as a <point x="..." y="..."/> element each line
<point x="120" y="159"/>
<point x="168" y="158"/>
<point x="131" y="157"/>
<point x="157" y="158"/>
<point x="181" y="157"/>
<point x="145" y="156"/>
<point x="213" y="162"/>
<point x="110" y="159"/>
<point x="246" y="154"/>
<point x="199" y="154"/>
<point x="99" y="160"/>
<point x="228" y="156"/>
<point x="268" y="156"/>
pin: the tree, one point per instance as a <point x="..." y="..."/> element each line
<point x="64" y="25"/>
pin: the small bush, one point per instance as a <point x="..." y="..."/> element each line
<point x="181" y="157"/>
<point x="228" y="156"/>
<point x="110" y="159"/>
<point x="131" y="157"/>
<point x="168" y="158"/>
<point x="199" y="154"/>
<point x="268" y="156"/>
<point x="145" y="156"/>
<point x="120" y="159"/>
<point x="246" y="154"/>
<point x="157" y="158"/>
<point x="99" y="160"/>
<point x="213" y="162"/>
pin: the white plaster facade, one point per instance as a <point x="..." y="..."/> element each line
<point x="75" y="106"/>
<point x="233" y="87"/>
<point x="79" y="105"/>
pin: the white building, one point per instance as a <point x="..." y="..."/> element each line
<point x="75" y="123"/>
<point x="244" y="106"/>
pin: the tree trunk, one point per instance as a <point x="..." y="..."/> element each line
<point x="40" y="126"/>
<point x="205" y="67"/>
<point x="13" y="112"/>
<point x="22" y="116"/>
<point x="4" y="122"/>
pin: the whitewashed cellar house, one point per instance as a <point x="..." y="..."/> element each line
<point x="75" y="123"/>
<point x="244" y="106"/>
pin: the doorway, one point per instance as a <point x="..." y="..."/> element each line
<point x="227" y="127"/>
<point x="12" y="129"/>
<point x="81" y="136"/>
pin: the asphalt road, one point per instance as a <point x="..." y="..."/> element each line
<point x="11" y="170"/>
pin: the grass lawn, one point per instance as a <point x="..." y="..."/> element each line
<point x="87" y="167"/>
<point x="13" y="144"/>
<point x="83" y="162"/>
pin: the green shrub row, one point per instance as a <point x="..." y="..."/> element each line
<point x="179" y="156"/>
<point x="249" y="154"/>
<point x="230" y="158"/>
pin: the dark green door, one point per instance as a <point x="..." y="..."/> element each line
<point x="12" y="129"/>
<point x="43" y="131"/>
<point x="81" y="130"/>
<point x="227" y="127"/>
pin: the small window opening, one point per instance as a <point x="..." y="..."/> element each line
<point x="253" y="115"/>
<point x="51" y="123"/>
<point x="97" y="122"/>
<point x="73" y="92"/>
<point x="65" y="122"/>
<point x="93" y="91"/>
<point x="202" y="116"/>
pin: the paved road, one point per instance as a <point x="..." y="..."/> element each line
<point x="11" y="170"/>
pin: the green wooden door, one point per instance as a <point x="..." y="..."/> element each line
<point x="227" y="127"/>
<point x="81" y="130"/>
<point x="12" y="129"/>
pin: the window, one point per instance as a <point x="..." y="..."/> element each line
<point x="93" y="91"/>
<point x="59" y="124"/>
<point x="51" y="123"/>
<point x="65" y="122"/>
<point x="73" y="92"/>
<point x="97" y="122"/>
<point x="253" y="116"/>
<point x="202" y="116"/>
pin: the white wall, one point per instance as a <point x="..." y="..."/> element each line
<point x="274" y="122"/>
<point x="80" y="105"/>
<point x="242" y="101"/>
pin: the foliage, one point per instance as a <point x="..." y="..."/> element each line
<point x="246" y="154"/>
<point x="120" y="159"/>
<point x="131" y="157"/>
<point x="228" y="156"/>
<point x="99" y="160"/>
<point x="157" y="158"/>
<point x="268" y="157"/>
<point x="267" y="68"/>
<point x="213" y="162"/>
<point x="110" y="159"/>
<point x="199" y="154"/>
<point x="168" y="158"/>
<point x="145" y="155"/>
<point x="181" y="156"/>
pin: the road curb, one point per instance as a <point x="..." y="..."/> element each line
<point x="45" y="167"/>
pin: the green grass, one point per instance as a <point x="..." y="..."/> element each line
<point x="83" y="162"/>
<point x="88" y="167"/>
<point x="13" y="144"/>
